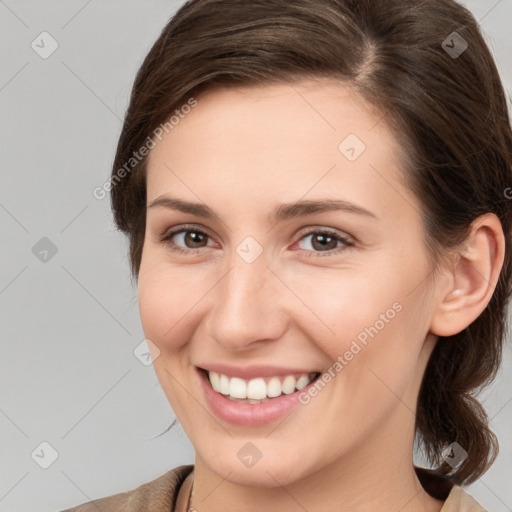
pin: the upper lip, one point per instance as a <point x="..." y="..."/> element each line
<point x="251" y="372"/>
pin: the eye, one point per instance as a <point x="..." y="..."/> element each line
<point x="323" y="241"/>
<point x="320" y="242"/>
<point x="185" y="239"/>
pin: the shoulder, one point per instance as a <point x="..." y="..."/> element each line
<point x="158" y="495"/>
<point x="460" y="501"/>
<point x="441" y="487"/>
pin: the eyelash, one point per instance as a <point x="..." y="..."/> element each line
<point x="166" y="237"/>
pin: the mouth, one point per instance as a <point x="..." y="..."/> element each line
<point x="258" y="390"/>
<point x="257" y="396"/>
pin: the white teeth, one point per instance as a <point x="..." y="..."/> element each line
<point x="224" y="385"/>
<point x="237" y="388"/>
<point x="274" y="387"/>
<point x="215" y="381"/>
<point x="302" y="382"/>
<point x="257" y="389"/>
<point x="288" y="384"/>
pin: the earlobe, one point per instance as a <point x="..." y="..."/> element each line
<point x="473" y="275"/>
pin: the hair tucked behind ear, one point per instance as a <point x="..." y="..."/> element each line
<point x="447" y="110"/>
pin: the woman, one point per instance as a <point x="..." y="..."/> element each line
<point x="315" y="198"/>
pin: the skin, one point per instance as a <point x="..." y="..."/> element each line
<point x="241" y="152"/>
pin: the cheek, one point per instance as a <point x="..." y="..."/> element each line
<point x="167" y="296"/>
<point x="342" y="305"/>
<point x="367" y="320"/>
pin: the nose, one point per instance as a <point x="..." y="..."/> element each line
<point x="248" y="306"/>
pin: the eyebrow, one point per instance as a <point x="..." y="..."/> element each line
<point x="283" y="212"/>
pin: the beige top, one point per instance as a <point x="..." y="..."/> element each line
<point x="163" y="495"/>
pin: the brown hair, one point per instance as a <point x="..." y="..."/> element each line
<point x="448" y="112"/>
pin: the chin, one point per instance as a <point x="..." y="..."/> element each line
<point x="278" y="469"/>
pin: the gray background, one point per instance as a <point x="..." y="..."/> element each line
<point x="70" y="323"/>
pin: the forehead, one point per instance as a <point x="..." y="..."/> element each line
<point x="279" y="143"/>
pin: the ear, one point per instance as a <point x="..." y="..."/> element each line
<point x="471" y="277"/>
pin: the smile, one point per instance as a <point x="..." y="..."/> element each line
<point x="253" y="397"/>
<point x="258" y="390"/>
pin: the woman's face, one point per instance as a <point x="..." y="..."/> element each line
<point x="296" y="251"/>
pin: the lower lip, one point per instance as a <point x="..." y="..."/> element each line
<point x="239" y="413"/>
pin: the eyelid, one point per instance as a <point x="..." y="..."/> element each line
<point x="169" y="233"/>
<point x="348" y="240"/>
<point x="323" y="229"/>
<point x="185" y="227"/>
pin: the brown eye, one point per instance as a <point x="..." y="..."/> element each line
<point x="194" y="239"/>
<point x="185" y="239"/>
<point x="322" y="241"/>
